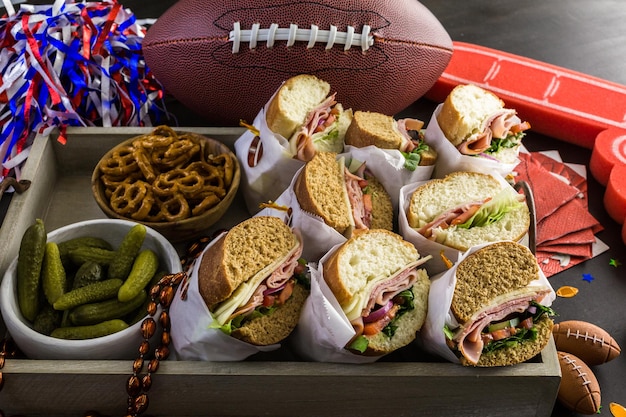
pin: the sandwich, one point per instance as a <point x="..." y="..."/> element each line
<point x="376" y="279"/>
<point x="252" y="281"/>
<point x="303" y="112"/>
<point x="346" y="198"/>
<point x="385" y="132"/>
<point x="465" y="209"/>
<point x="477" y="123"/>
<point x="498" y="315"/>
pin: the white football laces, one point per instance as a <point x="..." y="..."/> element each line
<point x="293" y="34"/>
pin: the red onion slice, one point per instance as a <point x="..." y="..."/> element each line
<point x="379" y="313"/>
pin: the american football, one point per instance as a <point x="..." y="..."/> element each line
<point x="579" y="390"/>
<point x="587" y="341"/>
<point x="224" y="59"/>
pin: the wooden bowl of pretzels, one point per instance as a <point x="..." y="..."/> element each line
<point x="178" y="183"/>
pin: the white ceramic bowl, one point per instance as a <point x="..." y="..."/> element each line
<point x="120" y="345"/>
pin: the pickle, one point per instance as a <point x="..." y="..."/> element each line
<point x="143" y="310"/>
<point x="127" y="252"/>
<point x="88" y="241"/>
<point x="82" y="254"/>
<point x="88" y="273"/>
<point x="29" y="264"/>
<point x="47" y="320"/>
<point x="91" y="293"/>
<point x="89" y="332"/>
<point x="53" y="277"/>
<point x="143" y="269"/>
<point x="94" y="313"/>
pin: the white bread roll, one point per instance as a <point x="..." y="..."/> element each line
<point x="290" y="106"/>
<point x="470" y="113"/>
<point x="465" y="110"/>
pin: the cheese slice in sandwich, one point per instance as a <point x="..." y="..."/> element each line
<point x="253" y="266"/>
<point x="376" y="279"/>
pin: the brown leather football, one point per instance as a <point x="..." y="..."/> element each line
<point x="224" y="58"/>
<point x="587" y="341"/>
<point x="579" y="390"/>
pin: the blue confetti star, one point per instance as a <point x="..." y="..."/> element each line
<point x="588" y="277"/>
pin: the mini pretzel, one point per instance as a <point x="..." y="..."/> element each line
<point x="154" y="141"/>
<point x="143" y="162"/>
<point x="210" y="200"/>
<point x="132" y="199"/>
<point x="186" y="182"/>
<point x="173" y="208"/>
<point x="177" y="154"/>
<point x="225" y="162"/>
<point x="164" y="131"/>
<point x="211" y="174"/>
<point x="210" y="189"/>
<point x="120" y="163"/>
<point x="111" y="183"/>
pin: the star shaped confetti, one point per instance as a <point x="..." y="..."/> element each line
<point x="588" y="277"/>
<point x="614" y="262"/>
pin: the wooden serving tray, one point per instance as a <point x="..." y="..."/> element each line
<point x="276" y="384"/>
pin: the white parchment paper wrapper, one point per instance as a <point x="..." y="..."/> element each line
<point x="387" y="165"/>
<point x="319" y="238"/>
<point x="440" y="296"/>
<point x="192" y="339"/>
<point x="426" y="246"/>
<point x="271" y="175"/>
<point x="324" y="330"/>
<point x="449" y="159"/>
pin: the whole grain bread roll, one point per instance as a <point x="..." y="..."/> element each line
<point x="380" y="130"/>
<point x="321" y="190"/>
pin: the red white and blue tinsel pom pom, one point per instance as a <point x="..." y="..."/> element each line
<point x="71" y="64"/>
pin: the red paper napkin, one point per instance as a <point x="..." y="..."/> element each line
<point x="565" y="229"/>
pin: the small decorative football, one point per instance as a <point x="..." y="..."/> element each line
<point x="223" y="59"/>
<point x="587" y="341"/>
<point x="579" y="390"/>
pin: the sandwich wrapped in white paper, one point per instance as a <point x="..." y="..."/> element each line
<point x="267" y="164"/>
<point x="300" y="119"/>
<point x="428" y="219"/>
<point x="450" y="159"/>
<point x="244" y="294"/>
<point x="368" y="298"/>
<point x="193" y="336"/>
<point x="329" y="191"/>
<point x="518" y="285"/>
<point x="324" y="330"/>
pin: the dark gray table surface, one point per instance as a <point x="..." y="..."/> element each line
<point x="582" y="35"/>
